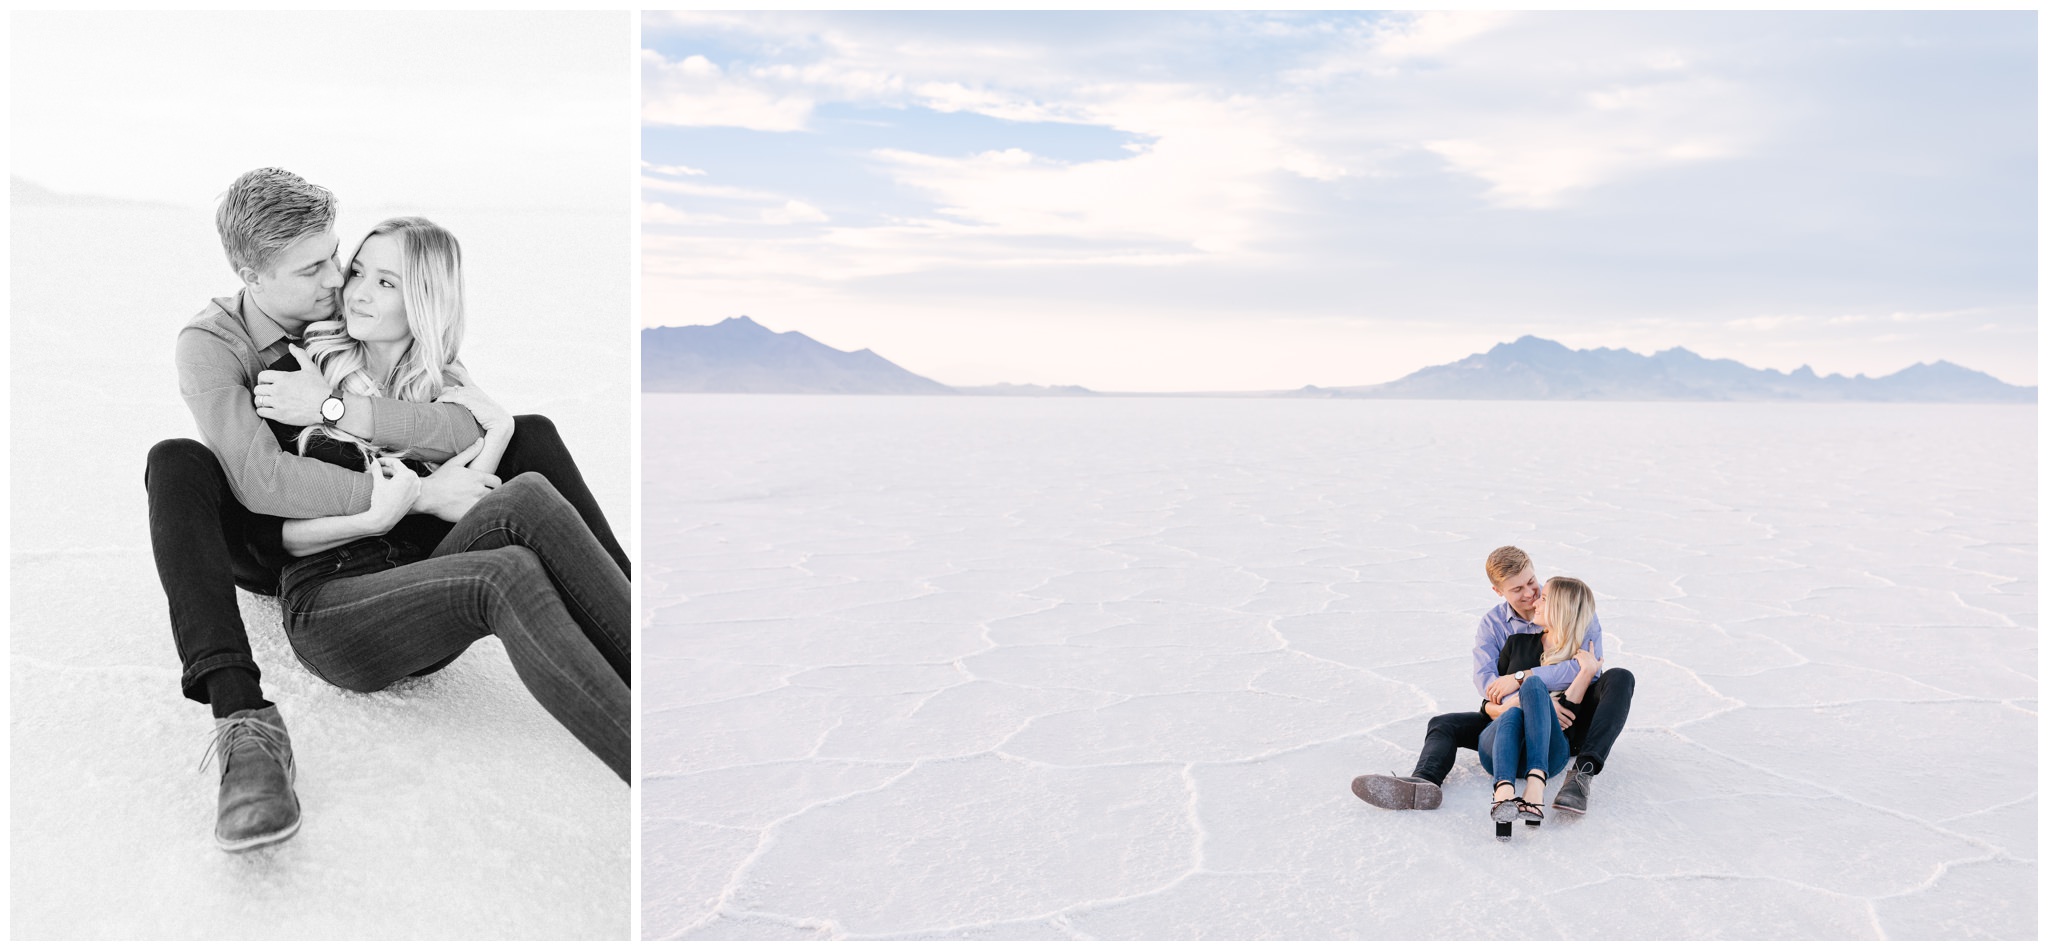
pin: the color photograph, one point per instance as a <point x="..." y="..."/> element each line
<point x="321" y="448"/>
<point x="1482" y="476"/>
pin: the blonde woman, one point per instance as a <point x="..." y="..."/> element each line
<point x="1525" y="740"/>
<point x="383" y="595"/>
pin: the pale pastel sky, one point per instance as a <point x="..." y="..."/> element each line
<point x="1217" y="201"/>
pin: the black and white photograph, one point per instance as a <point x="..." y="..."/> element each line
<point x="321" y="368"/>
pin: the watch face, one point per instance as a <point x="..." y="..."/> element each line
<point x="330" y="408"/>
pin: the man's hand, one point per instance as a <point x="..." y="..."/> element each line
<point x="1564" y="716"/>
<point x="453" y="488"/>
<point x="488" y="413"/>
<point x="1502" y="687"/>
<point x="292" y="397"/>
<point x="392" y="494"/>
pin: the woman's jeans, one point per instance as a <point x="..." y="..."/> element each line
<point x="1524" y="738"/>
<point x="521" y="565"/>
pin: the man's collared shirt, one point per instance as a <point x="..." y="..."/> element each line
<point x="1502" y="621"/>
<point x="219" y="354"/>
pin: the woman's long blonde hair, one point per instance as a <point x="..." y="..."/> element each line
<point x="430" y="281"/>
<point x="1568" y="607"/>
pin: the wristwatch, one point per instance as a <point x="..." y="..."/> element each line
<point x="331" y="409"/>
<point x="1521" y="676"/>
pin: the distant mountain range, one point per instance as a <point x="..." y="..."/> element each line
<point x="738" y="355"/>
<point x="1539" y="369"/>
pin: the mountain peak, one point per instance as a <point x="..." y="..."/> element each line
<point x="1530" y="343"/>
<point x="1531" y="367"/>
<point x="738" y="355"/>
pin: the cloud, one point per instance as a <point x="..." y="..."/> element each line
<point x="793" y="212"/>
<point x="1432" y="33"/>
<point x="1713" y="171"/>
<point x="1204" y="181"/>
<point x="695" y="92"/>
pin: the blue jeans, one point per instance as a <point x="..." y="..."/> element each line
<point x="521" y="565"/>
<point x="1524" y="738"/>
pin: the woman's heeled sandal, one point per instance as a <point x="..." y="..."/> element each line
<point x="1532" y="812"/>
<point x="1504" y="811"/>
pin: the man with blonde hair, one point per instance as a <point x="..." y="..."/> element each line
<point x="217" y="507"/>
<point x="1591" y="734"/>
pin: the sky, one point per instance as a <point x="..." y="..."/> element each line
<point x="1244" y="201"/>
<point x="472" y="110"/>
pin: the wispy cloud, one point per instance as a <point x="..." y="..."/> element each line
<point x="694" y="91"/>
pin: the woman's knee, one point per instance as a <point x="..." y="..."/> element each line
<point x="529" y="488"/>
<point x="532" y="482"/>
<point x="1533" y="690"/>
<point x="521" y="500"/>
<point x="509" y="568"/>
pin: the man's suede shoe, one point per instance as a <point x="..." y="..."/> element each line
<point x="257" y="804"/>
<point x="1398" y="792"/>
<point x="1571" y="797"/>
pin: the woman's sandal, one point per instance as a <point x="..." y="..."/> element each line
<point x="1532" y="812"/>
<point x="1504" y="811"/>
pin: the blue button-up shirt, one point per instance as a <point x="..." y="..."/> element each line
<point x="1502" y="621"/>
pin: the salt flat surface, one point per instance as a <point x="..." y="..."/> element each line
<point x="983" y="668"/>
<point x="452" y="806"/>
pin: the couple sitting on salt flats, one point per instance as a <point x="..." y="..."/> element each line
<point x="1537" y="664"/>
<point x="352" y="468"/>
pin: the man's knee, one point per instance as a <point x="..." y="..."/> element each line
<point x="535" y="427"/>
<point x="1617" y="682"/>
<point x="535" y="442"/>
<point x="1456" y="730"/>
<point x="1445" y="725"/>
<point x="179" y="459"/>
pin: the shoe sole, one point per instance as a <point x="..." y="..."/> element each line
<point x="257" y="842"/>
<point x="1397" y="792"/>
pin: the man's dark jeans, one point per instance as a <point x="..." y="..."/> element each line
<point x="1600" y="719"/>
<point x="206" y="543"/>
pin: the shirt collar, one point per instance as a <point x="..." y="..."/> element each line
<point x="1508" y="615"/>
<point x="263" y="330"/>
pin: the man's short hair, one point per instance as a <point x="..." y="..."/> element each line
<point x="1505" y="562"/>
<point x="266" y="210"/>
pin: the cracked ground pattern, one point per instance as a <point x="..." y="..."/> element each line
<point x="984" y="668"/>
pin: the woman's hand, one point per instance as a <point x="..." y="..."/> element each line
<point x="392" y="493"/>
<point x="489" y="415"/>
<point x="1586" y="660"/>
